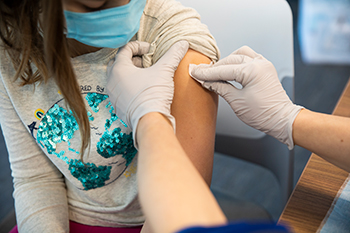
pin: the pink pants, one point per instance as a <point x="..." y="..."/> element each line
<point x="75" y="227"/>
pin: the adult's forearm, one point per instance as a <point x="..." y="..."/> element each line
<point x="172" y="192"/>
<point x="326" y="135"/>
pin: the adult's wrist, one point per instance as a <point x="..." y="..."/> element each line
<point x="149" y="122"/>
<point x="299" y="125"/>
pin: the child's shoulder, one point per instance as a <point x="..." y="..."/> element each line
<point x="165" y="8"/>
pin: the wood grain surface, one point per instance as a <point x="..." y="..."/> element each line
<point x="317" y="186"/>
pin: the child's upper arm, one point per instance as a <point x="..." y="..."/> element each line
<point x="164" y="23"/>
<point x="194" y="109"/>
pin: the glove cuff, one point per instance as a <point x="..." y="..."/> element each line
<point x="140" y="112"/>
<point x="289" y="140"/>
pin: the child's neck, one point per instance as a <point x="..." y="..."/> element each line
<point x="77" y="48"/>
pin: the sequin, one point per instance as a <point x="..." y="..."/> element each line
<point x="108" y="124"/>
<point x="91" y="118"/>
<point x="89" y="174"/>
<point x="58" y="125"/>
<point x="70" y="149"/>
<point x="94" y="99"/>
<point x="116" y="142"/>
<point x="114" y="116"/>
<point x="51" y="131"/>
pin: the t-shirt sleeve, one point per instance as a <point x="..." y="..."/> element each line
<point x="39" y="188"/>
<point x="166" y="22"/>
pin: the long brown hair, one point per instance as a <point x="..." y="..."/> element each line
<point x="42" y="43"/>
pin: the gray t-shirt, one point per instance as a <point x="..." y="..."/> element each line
<point x="52" y="185"/>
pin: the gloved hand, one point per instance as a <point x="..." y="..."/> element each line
<point x="135" y="91"/>
<point x="262" y="103"/>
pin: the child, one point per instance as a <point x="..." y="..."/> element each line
<point x="72" y="158"/>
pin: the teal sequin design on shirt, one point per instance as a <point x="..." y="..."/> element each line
<point x="58" y="126"/>
<point x="89" y="174"/>
<point x="113" y="142"/>
<point x="94" y="100"/>
<point x="116" y="142"/>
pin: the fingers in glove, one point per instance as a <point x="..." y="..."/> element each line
<point x="131" y="49"/>
<point x="174" y="55"/>
<point x="222" y="88"/>
<point x="137" y="61"/>
<point x="198" y="80"/>
<point x="109" y="66"/>
<point x="234" y="59"/>
<point x="135" y="48"/>
<point x="217" y="73"/>
<point x="247" y="51"/>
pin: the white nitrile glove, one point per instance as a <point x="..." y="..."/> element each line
<point x="135" y="91"/>
<point x="262" y="103"/>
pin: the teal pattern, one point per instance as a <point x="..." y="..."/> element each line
<point x="94" y="99"/>
<point x="89" y="174"/>
<point x="116" y="142"/>
<point x="55" y="127"/>
<point x="58" y="126"/>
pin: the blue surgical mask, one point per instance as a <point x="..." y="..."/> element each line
<point x="111" y="28"/>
